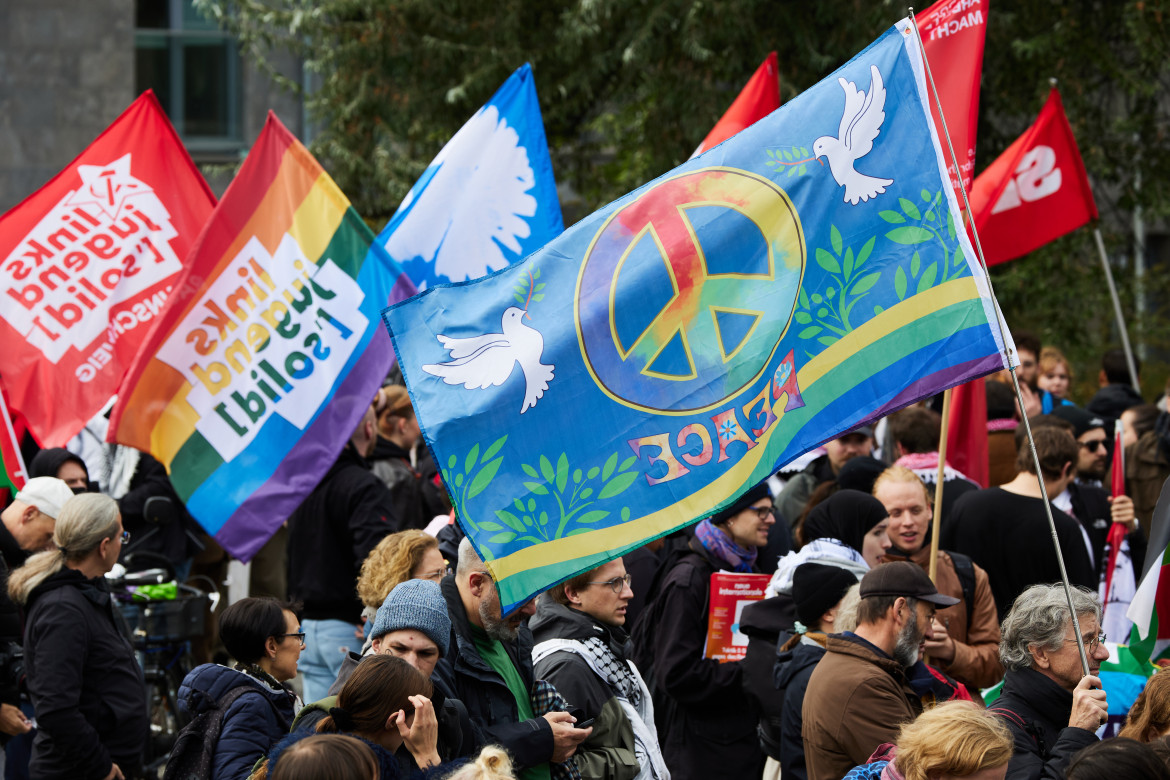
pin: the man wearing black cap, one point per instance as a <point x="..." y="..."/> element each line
<point x="859" y="695"/>
<point x="838" y="452"/>
<point x="817" y="590"/>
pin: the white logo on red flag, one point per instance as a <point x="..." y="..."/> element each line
<point x="1036" y="177"/>
<point x="102" y="244"/>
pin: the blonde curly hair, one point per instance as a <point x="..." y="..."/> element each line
<point x="492" y="763"/>
<point x="954" y="738"/>
<point x="391" y="562"/>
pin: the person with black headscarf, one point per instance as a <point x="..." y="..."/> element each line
<point x="706" y="723"/>
<point x="64" y="465"/>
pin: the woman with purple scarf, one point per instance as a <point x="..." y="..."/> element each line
<point x="706" y="723"/>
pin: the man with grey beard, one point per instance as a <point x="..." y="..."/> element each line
<point x="859" y="696"/>
<point x="490" y="670"/>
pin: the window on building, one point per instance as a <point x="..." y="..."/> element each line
<point x="194" y="68"/>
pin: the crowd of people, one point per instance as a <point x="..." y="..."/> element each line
<point x="374" y="644"/>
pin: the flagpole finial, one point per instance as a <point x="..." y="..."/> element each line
<point x="1052" y="81"/>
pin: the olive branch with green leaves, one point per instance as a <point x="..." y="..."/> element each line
<point x="530" y="291"/>
<point x="572" y="489"/>
<point x="928" y="225"/>
<point x="788" y="161"/>
<point x="477" y="473"/>
<point x="826" y="314"/>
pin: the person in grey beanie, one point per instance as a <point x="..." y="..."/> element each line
<point x="413" y="624"/>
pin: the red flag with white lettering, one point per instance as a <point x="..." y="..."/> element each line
<point x="758" y="98"/>
<point x="87" y="262"/>
<point x="953" y="33"/>
<point x="1035" y="192"/>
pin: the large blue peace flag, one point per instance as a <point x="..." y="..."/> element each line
<point x="488" y="198"/>
<point x="682" y="343"/>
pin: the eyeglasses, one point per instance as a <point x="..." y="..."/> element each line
<point x="617" y="584"/>
<point x="762" y="512"/>
<point x="299" y="635"/>
<point x="1094" y="445"/>
<point x="125" y="537"/>
<point x="1092" y="645"/>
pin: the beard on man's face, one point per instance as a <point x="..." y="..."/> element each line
<point x="494" y="624"/>
<point x="909" y="640"/>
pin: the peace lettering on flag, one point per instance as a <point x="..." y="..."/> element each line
<point x="953" y="34"/>
<point x="1035" y="192"/>
<point x="86" y="264"/>
<point x="678" y="346"/>
<point x="252" y="382"/>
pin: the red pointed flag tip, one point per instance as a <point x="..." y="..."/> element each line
<point x="1035" y="192"/>
<point x="87" y="263"/>
<point x="953" y="33"/>
<point x="760" y="97"/>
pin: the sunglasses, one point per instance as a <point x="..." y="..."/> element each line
<point x="1093" y="446"/>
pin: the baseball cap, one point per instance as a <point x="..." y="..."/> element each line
<point x="47" y="494"/>
<point x="1082" y="421"/>
<point x="902" y="578"/>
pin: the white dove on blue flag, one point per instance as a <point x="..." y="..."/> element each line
<point x="487" y="200"/>
<point x="860" y="124"/>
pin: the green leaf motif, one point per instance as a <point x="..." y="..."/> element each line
<point x="630" y="461"/>
<point x="593" y="517"/>
<point x="518" y="298"/>
<point x="802" y="170"/>
<point x="866" y="250"/>
<point x="877" y="310"/>
<point x="909" y="208"/>
<point x="562" y="472"/>
<point x="866" y="282"/>
<point x="848" y="262"/>
<point x="803" y="298"/>
<point x="900" y="283"/>
<point x="809" y="332"/>
<point x="451" y="461"/>
<point x="529" y="471"/>
<point x="546" y="470"/>
<point x="538" y="297"/>
<point x="915" y="265"/>
<point x="488" y="525"/>
<point x="926" y="196"/>
<point x="586" y="493"/>
<point x="828" y="262"/>
<point x="950" y="226"/>
<point x="892" y="217"/>
<point x="577" y="476"/>
<point x="510" y="520"/>
<point x="472" y="458"/>
<point x="828" y="341"/>
<point x="501" y="538"/>
<point x="484" y="477"/>
<point x="610" y="465"/>
<point x="536" y="274"/>
<point x="536" y="487"/>
<point x="822" y="312"/>
<point x="835" y="239"/>
<point x="927" y="280"/>
<point x="532" y="505"/>
<point x="625" y="514"/>
<point x="618" y="484"/>
<point x="909" y="235"/>
<point x="497" y="445"/>
<point x="458" y="480"/>
<point x="803" y="152"/>
<point x="593" y="472"/>
<point x="803" y="317"/>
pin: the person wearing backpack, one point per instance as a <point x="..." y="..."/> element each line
<point x="966" y="643"/>
<point x="239" y="713"/>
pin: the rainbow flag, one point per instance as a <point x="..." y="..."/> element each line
<point x="271" y="350"/>
<point x="680" y="345"/>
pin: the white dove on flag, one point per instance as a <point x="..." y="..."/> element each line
<point x="483" y="361"/>
<point x="860" y="124"/>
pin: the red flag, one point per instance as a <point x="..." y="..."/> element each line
<point x="760" y="97"/>
<point x="87" y="262"/>
<point x="967" y="431"/>
<point x="953" y="33"/>
<point x="14" y="473"/>
<point x="1035" y="192"/>
<point x="1117" y="531"/>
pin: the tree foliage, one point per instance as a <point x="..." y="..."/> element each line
<point x="628" y="88"/>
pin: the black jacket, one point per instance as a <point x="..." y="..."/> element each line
<point x="86" y="686"/>
<point x="332" y="532"/>
<point x="1090" y="507"/>
<point x="793" y="669"/>
<point x="1111" y="400"/>
<point x="1036" y="711"/>
<point x="764" y="622"/>
<point x="11" y="624"/>
<point x="465" y="675"/>
<point x="706" y="721"/>
<point x="416" y="499"/>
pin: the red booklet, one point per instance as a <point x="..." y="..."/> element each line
<point x="730" y="593"/>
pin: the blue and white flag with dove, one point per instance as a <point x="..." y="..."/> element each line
<point x="488" y="198"/>
<point x="677" y="347"/>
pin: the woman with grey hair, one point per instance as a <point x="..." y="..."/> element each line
<point x="85" y="684"/>
<point x="1049" y="705"/>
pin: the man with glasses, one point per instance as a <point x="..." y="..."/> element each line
<point x="580" y="649"/>
<point x="1048" y="703"/>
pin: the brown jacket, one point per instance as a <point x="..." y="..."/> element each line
<point x="1146" y="470"/>
<point x="976" y="660"/>
<point x="856" y="700"/>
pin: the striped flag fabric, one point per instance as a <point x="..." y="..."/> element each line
<point x="262" y="368"/>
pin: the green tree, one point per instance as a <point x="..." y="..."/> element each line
<point x="629" y="87"/>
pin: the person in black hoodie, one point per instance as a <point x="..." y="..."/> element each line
<point x="329" y="535"/>
<point x="1049" y="705"/>
<point x="416" y="499"/>
<point x="817" y="589"/>
<point x="84" y="681"/>
<point x="64" y="465"/>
